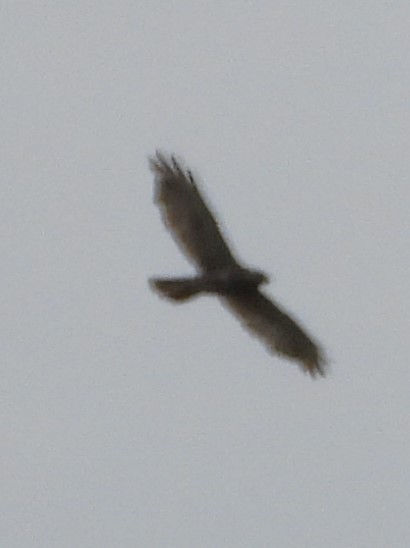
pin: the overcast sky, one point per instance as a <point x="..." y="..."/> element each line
<point x="128" y="421"/>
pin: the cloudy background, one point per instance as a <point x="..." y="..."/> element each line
<point x="127" y="421"/>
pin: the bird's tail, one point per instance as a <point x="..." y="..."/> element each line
<point x="177" y="289"/>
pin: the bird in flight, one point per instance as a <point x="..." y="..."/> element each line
<point x="195" y="229"/>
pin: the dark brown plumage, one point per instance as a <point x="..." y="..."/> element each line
<point x="195" y="229"/>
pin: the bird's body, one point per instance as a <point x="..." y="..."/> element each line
<point x="196" y="230"/>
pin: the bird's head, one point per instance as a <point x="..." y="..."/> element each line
<point x="258" y="277"/>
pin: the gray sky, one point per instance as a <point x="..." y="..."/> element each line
<point x="116" y="431"/>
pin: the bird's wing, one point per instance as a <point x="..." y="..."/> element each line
<point x="277" y="330"/>
<point x="188" y="217"/>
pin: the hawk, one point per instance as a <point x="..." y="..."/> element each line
<point x="195" y="229"/>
